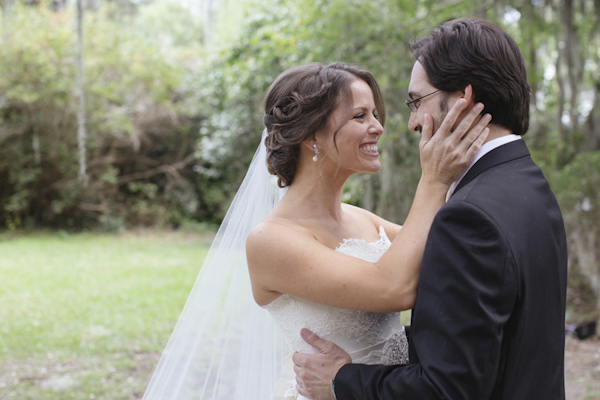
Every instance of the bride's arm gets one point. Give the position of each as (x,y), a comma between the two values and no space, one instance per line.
(290,260)
(438,152)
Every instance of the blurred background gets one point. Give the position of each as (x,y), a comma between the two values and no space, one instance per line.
(126,127)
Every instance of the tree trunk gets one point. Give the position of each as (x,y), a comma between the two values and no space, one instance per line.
(574,66)
(81,132)
(561,98)
(7,6)
(591,130)
(35,144)
(209,21)
(584,241)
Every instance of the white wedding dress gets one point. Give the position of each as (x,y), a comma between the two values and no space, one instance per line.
(368,337)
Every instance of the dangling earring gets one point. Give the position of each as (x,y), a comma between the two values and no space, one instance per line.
(316,150)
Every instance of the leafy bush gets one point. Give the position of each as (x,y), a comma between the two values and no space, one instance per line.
(140,136)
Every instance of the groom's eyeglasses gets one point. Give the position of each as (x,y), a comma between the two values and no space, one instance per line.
(414,104)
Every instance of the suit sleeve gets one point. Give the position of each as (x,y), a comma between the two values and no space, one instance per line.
(467,289)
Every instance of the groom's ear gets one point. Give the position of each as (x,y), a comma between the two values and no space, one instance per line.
(468,95)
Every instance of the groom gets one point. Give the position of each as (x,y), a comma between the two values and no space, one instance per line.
(488,321)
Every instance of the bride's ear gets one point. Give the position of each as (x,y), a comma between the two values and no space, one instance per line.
(310,142)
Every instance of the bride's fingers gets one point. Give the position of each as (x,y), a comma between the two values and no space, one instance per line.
(426,131)
(475,133)
(477,143)
(445,128)
(469,121)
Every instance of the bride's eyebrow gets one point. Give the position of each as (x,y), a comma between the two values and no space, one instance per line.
(364,110)
(364,106)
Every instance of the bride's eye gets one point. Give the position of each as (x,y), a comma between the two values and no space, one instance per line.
(359,116)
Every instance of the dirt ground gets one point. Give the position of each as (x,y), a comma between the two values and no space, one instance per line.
(28,381)
(582,369)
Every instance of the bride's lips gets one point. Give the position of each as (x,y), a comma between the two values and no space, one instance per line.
(369,149)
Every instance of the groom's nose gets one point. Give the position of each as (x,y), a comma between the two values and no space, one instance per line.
(413,123)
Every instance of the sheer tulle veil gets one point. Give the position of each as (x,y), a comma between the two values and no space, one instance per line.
(224,345)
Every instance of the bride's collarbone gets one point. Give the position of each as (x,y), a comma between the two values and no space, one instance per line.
(332,235)
(328,231)
(334,239)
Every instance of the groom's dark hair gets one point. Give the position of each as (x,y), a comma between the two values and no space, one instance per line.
(476,52)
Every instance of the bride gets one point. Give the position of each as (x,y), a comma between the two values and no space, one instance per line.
(313,261)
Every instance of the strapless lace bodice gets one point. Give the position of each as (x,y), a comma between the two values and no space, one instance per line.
(369,337)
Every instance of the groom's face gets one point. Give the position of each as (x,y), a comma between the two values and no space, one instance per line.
(436,105)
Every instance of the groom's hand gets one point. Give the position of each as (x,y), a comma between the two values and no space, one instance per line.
(314,372)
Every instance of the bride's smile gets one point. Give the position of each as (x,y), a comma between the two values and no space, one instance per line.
(370,149)
(353,148)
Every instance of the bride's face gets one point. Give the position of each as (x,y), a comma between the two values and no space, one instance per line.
(357,138)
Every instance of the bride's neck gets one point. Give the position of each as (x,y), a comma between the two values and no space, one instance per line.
(317,196)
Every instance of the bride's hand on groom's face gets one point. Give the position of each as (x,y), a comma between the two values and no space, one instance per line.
(314,372)
(446,154)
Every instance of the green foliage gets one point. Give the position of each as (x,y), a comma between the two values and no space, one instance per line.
(172,126)
(138,131)
(580,196)
(277,35)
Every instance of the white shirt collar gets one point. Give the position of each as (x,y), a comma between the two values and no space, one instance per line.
(486,148)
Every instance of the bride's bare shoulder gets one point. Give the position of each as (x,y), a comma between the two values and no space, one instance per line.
(275,230)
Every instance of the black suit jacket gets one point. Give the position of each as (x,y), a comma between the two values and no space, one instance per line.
(488,322)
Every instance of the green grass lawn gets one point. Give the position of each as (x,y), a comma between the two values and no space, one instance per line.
(87,316)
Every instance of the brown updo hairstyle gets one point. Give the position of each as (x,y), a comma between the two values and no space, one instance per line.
(299,103)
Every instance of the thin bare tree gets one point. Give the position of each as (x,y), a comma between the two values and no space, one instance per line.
(7,6)
(81,131)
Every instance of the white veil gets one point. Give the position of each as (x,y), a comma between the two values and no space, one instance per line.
(224,345)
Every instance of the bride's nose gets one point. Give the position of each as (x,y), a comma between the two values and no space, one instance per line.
(376,128)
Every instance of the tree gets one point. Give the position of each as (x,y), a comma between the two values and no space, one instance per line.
(559,40)
(81,133)
(141,134)
(6,9)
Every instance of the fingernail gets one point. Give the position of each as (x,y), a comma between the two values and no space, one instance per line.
(479,106)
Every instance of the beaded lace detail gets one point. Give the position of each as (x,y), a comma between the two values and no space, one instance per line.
(368,251)
(369,337)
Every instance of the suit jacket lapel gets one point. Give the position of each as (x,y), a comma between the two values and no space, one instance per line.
(508,152)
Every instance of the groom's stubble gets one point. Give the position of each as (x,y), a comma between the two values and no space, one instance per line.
(437,120)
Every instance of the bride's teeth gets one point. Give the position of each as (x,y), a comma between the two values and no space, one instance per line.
(371,148)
